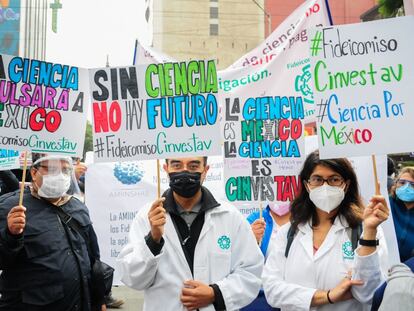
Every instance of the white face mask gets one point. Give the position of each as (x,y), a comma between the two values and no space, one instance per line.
(326,197)
(54,186)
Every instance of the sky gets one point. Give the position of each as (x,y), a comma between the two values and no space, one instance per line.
(89,30)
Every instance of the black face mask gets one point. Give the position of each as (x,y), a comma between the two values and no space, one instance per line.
(185,184)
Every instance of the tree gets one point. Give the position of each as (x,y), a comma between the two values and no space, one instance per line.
(88,144)
(391,8)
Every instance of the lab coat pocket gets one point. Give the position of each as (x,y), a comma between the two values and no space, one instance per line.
(220,265)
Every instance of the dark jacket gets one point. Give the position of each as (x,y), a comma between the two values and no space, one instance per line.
(403,219)
(8,182)
(47,267)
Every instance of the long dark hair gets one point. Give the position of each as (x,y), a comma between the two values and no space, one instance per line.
(303,209)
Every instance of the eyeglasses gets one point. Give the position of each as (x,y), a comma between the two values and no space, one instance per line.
(316,181)
(402,182)
(54,170)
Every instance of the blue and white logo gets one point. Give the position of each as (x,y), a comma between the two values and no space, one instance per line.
(128,173)
(347,251)
(224,242)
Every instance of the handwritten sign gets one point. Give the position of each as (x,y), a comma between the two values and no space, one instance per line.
(155,111)
(363,75)
(262,130)
(42,106)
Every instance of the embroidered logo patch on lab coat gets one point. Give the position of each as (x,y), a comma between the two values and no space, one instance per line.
(224,242)
(347,251)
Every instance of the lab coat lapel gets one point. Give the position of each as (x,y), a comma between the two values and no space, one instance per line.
(306,240)
(208,224)
(171,235)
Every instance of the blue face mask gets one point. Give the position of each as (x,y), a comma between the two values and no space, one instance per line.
(405,193)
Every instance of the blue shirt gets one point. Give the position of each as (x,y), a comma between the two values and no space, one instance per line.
(404,228)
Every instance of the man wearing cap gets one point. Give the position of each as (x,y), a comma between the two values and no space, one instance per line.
(46,264)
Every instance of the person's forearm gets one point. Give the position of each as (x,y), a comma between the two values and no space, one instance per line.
(368,234)
(10,247)
(320,298)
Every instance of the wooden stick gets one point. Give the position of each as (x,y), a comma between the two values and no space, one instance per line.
(374,165)
(23,179)
(158,179)
(261,210)
(260,217)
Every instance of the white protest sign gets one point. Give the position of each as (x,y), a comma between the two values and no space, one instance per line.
(155,111)
(287,46)
(290,34)
(262,130)
(147,55)
(365,174)
(9,159)
(42,106)
(115,192)
(363,75)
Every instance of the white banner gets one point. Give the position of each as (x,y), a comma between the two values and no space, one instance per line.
(155,111)
(145,55)
(363,75)
(42,106)
(287,46)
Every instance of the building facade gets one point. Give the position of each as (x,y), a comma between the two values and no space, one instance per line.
(202,29)
(342,11)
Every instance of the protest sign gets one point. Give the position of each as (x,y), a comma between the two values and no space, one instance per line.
(363,74)
(146,55)
(116,191)
(9,159)
(262,131)
(155,111)
(287,45)
(42,106)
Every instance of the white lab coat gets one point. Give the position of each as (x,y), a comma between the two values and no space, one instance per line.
(291,283)
(236,270)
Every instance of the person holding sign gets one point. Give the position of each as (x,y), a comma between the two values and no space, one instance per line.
(46,262)
(187,251)
(314,263)
(402,207)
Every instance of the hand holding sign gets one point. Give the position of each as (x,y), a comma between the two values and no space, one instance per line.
(16,220)
(258,228)
(156,216)
(375,213)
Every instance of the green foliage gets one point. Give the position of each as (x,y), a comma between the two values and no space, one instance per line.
(390,8)
(88,144)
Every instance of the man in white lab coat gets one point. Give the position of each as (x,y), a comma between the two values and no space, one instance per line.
(189,252)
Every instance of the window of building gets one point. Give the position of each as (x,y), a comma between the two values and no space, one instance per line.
(213,12)
(214,29)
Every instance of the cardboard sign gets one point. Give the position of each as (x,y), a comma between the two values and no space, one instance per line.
(363,75)
(42,106)
(155,111)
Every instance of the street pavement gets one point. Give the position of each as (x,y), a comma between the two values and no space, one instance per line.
(134,300)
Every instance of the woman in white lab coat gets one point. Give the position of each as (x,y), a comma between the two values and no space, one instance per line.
(320,269)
